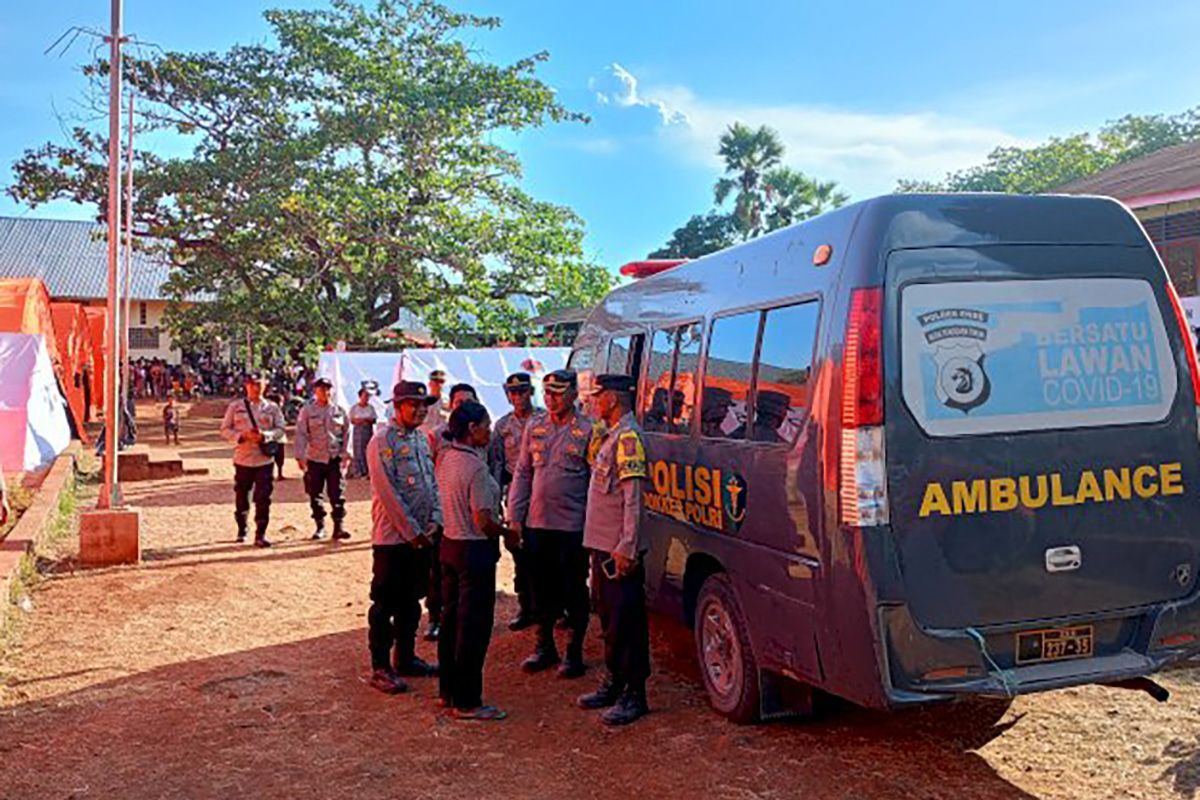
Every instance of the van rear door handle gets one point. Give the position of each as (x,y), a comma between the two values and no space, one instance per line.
(1063,559)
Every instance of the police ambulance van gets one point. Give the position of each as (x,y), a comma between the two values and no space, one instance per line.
(921,447)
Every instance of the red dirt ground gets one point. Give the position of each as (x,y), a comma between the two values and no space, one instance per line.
(216,670)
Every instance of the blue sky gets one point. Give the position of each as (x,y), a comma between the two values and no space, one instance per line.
(862,93)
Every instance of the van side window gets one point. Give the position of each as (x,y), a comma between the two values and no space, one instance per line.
(784,369)
(618,355)
(731,348)
(656,414)
(581,359)
(687,364)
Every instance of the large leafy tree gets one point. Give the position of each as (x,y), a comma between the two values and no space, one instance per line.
(699,236)
(1046,166)
(344,172)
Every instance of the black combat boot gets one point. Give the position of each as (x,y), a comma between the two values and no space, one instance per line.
(629,709)
(414,667)
(319,531)
(543,658)
(573,666)
(241,526)
(260,537)
(339,531)
(521,621)
(605,695)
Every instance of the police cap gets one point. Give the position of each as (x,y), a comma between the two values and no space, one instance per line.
(438,376)
(772,402)
(412,390)
(614,382)
(323,381)
(559,381)
(518,381)
(254,377)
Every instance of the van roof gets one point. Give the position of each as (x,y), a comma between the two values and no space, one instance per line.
(779,264)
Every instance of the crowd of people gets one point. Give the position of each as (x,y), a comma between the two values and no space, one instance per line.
(561,489)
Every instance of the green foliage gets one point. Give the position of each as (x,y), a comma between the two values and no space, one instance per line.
(766,196)
(700,235)
(338,175)
(1045,167)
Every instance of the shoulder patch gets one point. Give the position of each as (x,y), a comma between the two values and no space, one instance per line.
(631,456)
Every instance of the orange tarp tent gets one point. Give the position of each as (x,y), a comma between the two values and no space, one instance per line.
(97,317)
(25,308)
(73,336)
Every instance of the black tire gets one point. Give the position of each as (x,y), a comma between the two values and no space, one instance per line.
(729,669)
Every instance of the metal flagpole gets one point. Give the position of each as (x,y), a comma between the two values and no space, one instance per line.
(126,315)
(110,491)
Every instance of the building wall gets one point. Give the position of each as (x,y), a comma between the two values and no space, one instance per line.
(1174,228)
(148,337)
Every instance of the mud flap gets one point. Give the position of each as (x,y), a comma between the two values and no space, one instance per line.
(781,697)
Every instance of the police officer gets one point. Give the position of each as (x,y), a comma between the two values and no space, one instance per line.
(406,517)
(440,413)
(717,402)
(254,426)
(770,412)
(614,537)
(547,502)
(504,452)
(322,436)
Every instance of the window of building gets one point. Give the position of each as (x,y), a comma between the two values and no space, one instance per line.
(1181,267)
(784,369)
(731,348)
(143,338)
(142,314)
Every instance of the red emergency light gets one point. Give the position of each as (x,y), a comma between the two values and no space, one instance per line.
(653,266)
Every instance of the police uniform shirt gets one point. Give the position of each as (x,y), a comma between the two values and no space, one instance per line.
(615,493)
(505,449)
(322,433)
(466,486)
(404,491)
(270,423)
(550,484)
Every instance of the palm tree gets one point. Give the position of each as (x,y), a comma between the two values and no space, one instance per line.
(748,154)
(795,197)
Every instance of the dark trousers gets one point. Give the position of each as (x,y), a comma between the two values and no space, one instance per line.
(433,600)
(398,581)
(559,577)
(262,481)
(320,477)
(621,603)
(469,593)
(522,578)
(279,460)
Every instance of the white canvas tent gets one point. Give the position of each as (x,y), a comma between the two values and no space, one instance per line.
(485,369)
(33,413)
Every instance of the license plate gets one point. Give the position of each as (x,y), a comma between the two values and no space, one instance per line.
(1055,644)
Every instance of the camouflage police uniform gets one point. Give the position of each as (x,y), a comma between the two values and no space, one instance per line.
(614,527)
(406,513)
(548,498)
(322,439)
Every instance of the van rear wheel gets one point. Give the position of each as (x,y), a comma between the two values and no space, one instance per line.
(723,648)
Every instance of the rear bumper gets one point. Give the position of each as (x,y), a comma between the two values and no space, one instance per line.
(922,665)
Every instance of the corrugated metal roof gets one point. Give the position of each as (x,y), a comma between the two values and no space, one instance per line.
(1171,169)
(71,257)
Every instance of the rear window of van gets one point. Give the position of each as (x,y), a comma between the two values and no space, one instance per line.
(1007,356)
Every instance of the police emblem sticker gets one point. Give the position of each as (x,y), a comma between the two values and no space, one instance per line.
(958,336)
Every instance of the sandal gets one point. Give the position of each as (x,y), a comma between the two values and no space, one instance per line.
(482,714)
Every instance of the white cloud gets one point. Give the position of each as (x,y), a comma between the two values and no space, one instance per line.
(864,152)
(619,87)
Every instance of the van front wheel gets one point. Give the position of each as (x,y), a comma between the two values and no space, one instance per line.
(723,648)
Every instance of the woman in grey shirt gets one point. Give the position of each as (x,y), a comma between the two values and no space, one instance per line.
(469,552)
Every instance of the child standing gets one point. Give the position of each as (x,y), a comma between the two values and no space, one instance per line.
(171,421)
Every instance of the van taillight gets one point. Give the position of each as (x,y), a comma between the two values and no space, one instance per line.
(864,499)
(1185,331)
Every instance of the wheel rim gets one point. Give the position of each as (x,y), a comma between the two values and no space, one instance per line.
(721,649)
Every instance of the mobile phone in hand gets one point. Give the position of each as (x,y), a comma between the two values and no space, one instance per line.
(609,567)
